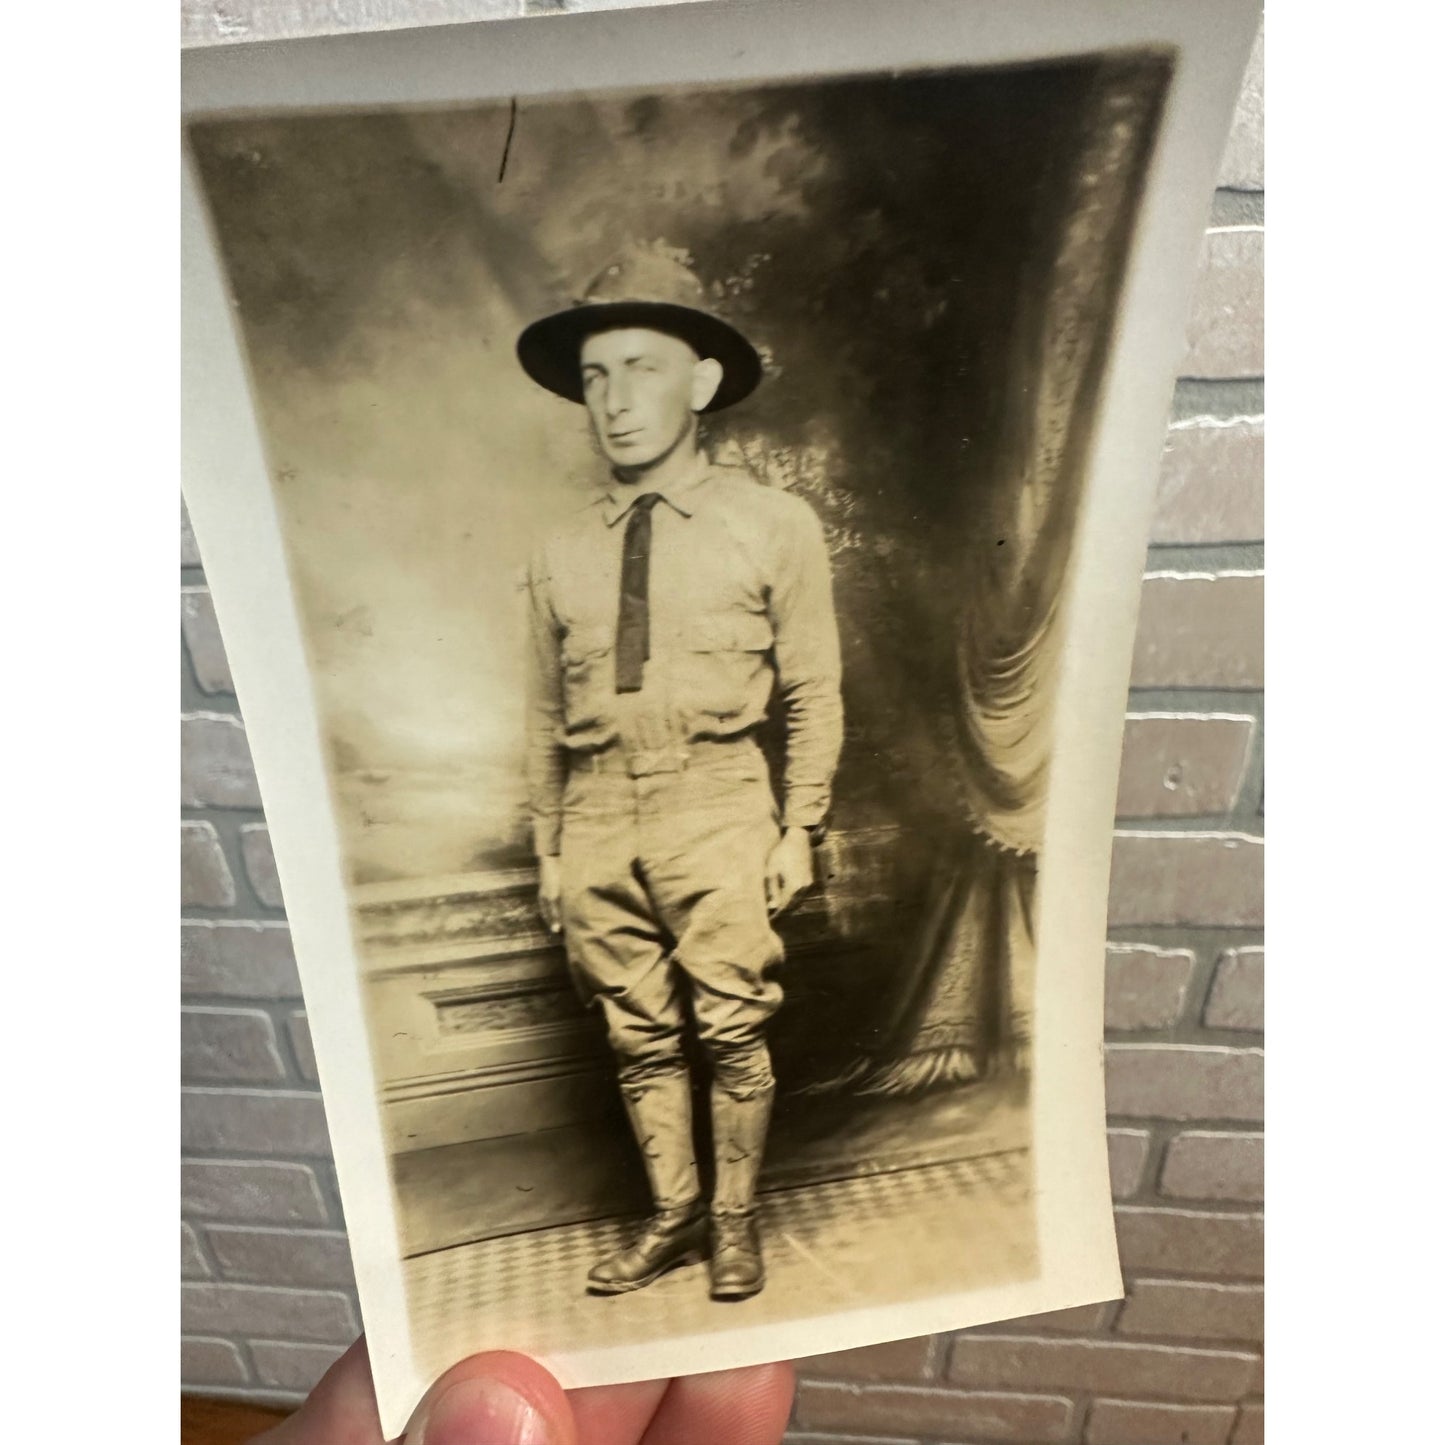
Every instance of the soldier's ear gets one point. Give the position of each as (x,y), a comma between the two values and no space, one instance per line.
(707,376)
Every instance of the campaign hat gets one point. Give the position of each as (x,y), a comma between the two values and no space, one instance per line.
(648,287)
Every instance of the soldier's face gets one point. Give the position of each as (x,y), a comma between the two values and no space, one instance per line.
(643,390)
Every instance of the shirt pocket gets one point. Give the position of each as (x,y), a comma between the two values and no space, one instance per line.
(726,658)
(587,676)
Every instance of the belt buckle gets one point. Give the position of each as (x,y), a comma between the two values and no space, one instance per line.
(647,761)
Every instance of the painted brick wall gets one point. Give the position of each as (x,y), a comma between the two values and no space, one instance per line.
(268,1298)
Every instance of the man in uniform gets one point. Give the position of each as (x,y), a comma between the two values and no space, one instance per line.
(665,617)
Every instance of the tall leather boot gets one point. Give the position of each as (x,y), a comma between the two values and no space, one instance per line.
(659,1109)
(740,1130)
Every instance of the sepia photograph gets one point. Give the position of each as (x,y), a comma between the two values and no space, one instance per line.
(679,492)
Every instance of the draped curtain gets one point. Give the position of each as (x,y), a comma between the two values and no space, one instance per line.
(966,996)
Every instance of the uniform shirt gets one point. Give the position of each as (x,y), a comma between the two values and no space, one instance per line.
(740,600)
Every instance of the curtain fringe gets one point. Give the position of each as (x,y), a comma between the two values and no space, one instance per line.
(981,832)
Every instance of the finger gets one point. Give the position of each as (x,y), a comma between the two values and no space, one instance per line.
(743,1407)
(499,1397)
(615,1414)
(788,893)
(341,1407)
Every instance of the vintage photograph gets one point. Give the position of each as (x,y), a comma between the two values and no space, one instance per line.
(679,490)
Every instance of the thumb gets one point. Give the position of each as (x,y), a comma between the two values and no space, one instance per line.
(498,1398)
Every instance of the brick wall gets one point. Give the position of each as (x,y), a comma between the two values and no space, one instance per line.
(268,1298)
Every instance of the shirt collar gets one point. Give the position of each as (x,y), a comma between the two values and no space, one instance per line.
(679,495)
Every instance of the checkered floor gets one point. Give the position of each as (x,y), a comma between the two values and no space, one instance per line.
(898,1236)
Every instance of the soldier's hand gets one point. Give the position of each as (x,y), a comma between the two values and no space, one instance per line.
(549,893)
(789,869)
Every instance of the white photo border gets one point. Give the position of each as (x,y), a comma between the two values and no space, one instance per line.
(228,491)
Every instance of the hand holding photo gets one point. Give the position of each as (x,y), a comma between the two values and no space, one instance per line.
(674,486)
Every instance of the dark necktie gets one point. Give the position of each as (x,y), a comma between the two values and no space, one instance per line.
(632,627)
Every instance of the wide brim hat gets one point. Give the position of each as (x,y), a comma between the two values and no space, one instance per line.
(651,288)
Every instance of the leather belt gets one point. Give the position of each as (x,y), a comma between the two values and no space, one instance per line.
(644,762)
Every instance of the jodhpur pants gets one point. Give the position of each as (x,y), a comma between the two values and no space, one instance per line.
(664,906)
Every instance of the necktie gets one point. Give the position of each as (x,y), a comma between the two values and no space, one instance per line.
(632,626)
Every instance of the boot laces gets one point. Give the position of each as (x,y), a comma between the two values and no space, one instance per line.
(733,1231)
(662,1226)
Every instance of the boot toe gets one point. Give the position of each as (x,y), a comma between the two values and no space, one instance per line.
(604,1276)
(736,1283)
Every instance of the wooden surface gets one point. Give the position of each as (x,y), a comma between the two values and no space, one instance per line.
(224,1422)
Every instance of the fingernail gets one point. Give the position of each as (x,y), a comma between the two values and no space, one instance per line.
(481,1412)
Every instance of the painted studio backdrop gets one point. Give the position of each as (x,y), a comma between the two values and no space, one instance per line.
(930,267)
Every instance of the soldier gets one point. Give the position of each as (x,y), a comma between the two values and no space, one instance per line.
(665,617)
